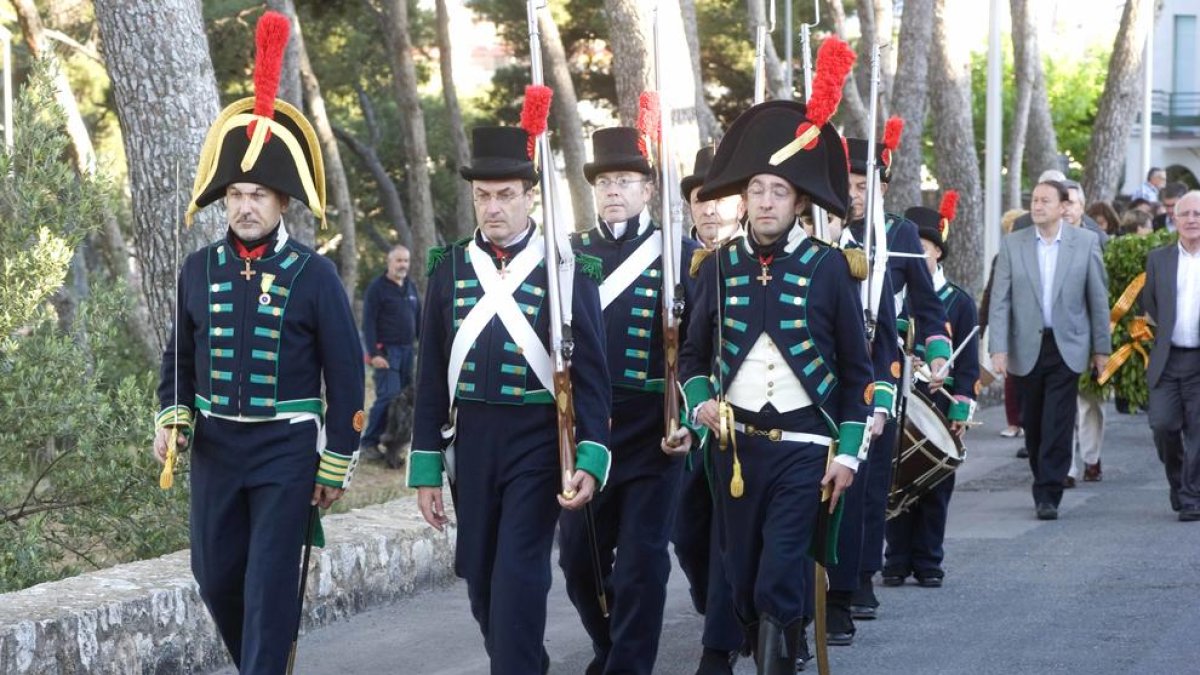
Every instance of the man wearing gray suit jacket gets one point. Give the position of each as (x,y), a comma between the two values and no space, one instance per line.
(1049,313)
(1171,297)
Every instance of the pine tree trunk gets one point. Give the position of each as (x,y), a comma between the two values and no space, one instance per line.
(166,97)
(1041,141)
(300,222)
(1118,104)
(464,211)
(1025,67)
(909,102)
(853,110)
(404,75)
(630,44)
(776,86)
(875,23)
(565,107)
(707,126)
(957,162)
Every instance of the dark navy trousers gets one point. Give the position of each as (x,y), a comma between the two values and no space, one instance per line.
(878,479)
(634,515)
(389,382)
(251,488)
(697,546)
(505,501)
(767,531)
(914,538)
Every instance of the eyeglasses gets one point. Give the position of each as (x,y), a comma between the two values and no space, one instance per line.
(622,182)
(503,198)
(1187,214)
(776,192)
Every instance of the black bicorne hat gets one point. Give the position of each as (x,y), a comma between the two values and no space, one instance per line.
(262,139)
(704,158)
(763,140)
(499,153)
(616,149)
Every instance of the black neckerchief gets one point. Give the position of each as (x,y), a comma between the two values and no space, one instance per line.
(768,251)
(253,244)
(506,253)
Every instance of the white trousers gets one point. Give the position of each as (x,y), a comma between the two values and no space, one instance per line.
(1089,433)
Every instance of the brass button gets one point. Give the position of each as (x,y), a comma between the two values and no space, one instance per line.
(770,366)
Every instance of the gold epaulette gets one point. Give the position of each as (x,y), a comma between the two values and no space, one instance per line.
(857,259)
(698,257)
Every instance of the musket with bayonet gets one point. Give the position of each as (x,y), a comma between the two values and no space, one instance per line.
(560,274)
(672,241)
(762,33)
(874,223)
(820,218)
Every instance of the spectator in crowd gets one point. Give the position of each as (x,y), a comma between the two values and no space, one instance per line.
(1106,217)
(1074,214)
(1048,314)
(391,322)
(1012,403)
(1149,208)
(1156,178)
(1136,222)
(1171,195)
(1171,298)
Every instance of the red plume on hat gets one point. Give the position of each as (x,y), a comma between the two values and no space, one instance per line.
(270,40)
(891,140)
(835,58)
(534,113)
(948,209)
(649,121)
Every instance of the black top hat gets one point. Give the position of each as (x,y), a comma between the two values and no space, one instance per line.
(767,132)
(616,149)
(857,148)
(704,158)
(499,153)
(261,139)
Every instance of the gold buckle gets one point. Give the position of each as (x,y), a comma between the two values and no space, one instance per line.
(771,434)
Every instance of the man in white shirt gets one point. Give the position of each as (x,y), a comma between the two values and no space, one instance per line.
(1171,298)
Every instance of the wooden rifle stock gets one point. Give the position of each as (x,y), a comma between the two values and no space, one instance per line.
(564,403)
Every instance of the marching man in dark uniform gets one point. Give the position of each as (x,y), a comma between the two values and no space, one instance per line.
(635,513)
(714,222)
(851,598)
(262,321)
(780,308)
(484,388)
(914,538)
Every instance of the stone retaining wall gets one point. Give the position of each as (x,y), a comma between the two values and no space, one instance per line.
(147,617)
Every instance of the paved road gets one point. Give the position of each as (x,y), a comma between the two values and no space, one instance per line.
(1111,587)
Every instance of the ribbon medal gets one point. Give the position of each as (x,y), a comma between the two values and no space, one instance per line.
(265,287)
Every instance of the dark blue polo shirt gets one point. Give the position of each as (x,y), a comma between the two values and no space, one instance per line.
(391,314)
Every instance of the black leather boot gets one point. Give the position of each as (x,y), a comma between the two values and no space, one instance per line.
(715,662)
(803,656)
(864,603)
(772,654)
(839,625)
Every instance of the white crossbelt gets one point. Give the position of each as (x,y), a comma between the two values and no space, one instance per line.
(497,301)
(778,435)
(632,267)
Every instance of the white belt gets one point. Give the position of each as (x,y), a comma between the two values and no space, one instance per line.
(780,435)
(291,417)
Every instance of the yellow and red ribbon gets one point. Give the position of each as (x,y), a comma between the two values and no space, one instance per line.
(1139,331)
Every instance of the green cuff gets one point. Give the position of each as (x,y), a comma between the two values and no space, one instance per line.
(696,390)
(174,415)
(902,327)
(336,470)
(852,438)
(885,397)
(595,459)
(424,468)
(960,411)
(937,347)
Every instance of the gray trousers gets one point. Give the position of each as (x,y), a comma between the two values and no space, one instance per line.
(1175,420)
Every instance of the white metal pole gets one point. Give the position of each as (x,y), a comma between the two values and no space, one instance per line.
(995,116)
(1148,92)
(787,50)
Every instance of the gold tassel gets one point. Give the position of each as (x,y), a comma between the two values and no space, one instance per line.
(736,487)
(726,438)
(167,478)
(857,259)
(698,258)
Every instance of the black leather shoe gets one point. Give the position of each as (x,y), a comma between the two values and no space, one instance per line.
(839,625)
(1022,453)
(1189,515)
(932,579)
(894,576)
(1047,512)
(863,603)
(803,656)
(715,662)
